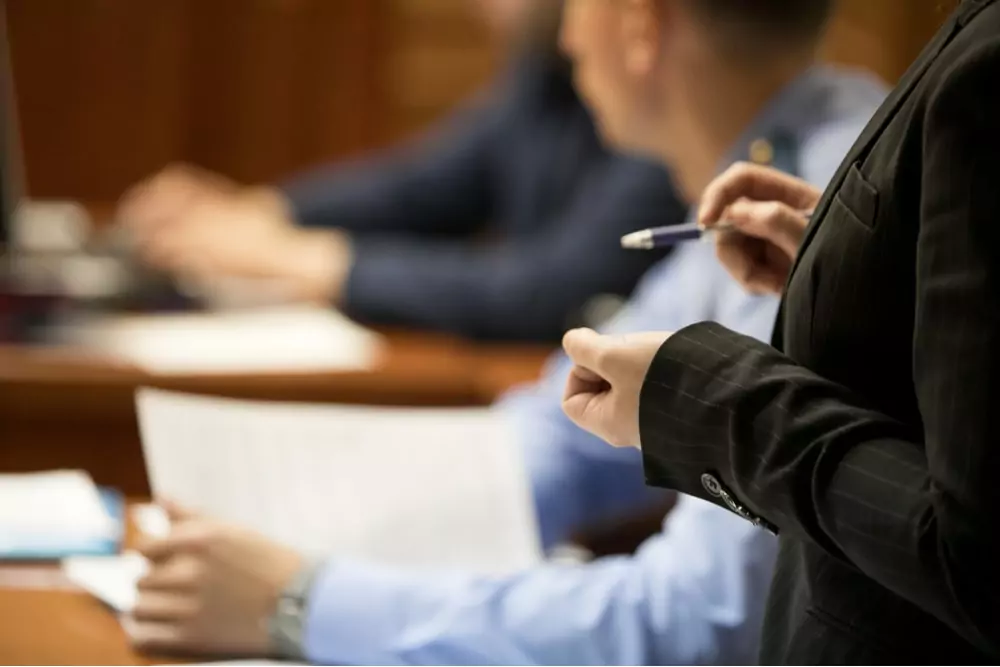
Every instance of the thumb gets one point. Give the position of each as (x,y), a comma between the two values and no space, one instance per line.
(177,512)
(771,221)
(586,348)
(182,538)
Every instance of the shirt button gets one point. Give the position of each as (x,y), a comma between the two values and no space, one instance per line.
(712,485)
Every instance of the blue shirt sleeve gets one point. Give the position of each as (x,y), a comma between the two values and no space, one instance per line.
(692,595)
(575,477)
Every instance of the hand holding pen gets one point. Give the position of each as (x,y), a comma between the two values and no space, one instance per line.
(756,216)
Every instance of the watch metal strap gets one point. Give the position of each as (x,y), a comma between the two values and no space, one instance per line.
(286,626)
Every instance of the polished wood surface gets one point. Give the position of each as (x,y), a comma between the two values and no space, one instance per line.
(45,620)
(60,627)
(63,408)
(66,408)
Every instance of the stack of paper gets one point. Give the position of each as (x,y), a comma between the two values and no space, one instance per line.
(112,579)
(402,486)
(53,514)
(281,339)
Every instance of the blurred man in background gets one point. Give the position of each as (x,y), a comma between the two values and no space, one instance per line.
(738,78)
(398,240)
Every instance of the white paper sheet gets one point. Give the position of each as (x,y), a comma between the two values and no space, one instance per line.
(111,579)
(280,339)
(151,520)
(403,486)
(51,508)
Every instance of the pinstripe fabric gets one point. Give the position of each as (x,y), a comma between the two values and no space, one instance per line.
(873,441)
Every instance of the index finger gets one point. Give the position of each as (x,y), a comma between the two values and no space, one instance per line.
(183,537)
(751,181)
(585,348)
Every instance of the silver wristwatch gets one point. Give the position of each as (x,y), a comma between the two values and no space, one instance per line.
(286,626)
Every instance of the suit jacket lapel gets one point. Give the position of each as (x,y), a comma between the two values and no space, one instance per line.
(958,20)
(877,124)
(871,132)
(874,129)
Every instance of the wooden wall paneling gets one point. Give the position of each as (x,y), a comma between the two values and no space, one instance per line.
(100,88)
(110,90)
(437,53)
(280,84)
(883,35)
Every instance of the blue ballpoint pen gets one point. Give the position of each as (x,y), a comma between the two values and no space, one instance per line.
(664,237)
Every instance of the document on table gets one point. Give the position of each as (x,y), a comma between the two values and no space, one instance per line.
(417,487)
(287,338)
(113,579)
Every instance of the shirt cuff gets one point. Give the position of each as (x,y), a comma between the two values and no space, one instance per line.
(350,614)
(388,284)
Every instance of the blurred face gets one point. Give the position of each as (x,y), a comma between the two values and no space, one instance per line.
(616,49)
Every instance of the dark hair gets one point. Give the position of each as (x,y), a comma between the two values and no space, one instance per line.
(775,22)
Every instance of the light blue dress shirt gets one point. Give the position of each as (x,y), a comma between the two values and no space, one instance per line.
(694,593)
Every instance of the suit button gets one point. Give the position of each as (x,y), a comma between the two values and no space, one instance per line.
(712,485)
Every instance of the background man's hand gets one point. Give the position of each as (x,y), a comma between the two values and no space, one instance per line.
(768,211)
(602,394)
(162,199)
(210,589)
(203,227)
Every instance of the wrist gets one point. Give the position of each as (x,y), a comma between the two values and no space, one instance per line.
(287,623)
(318,263)
(272,201)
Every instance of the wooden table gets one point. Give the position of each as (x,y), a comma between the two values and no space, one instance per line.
(44,620)
(60,627)
(64,408)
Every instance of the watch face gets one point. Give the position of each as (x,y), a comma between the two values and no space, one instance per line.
(286,626)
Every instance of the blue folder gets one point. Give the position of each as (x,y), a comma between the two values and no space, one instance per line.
(115,505)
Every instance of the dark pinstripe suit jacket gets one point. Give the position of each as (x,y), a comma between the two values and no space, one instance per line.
(872,443)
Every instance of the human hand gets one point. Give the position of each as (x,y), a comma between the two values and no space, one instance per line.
(210,589)
(602,394)
(205,228)
(163,199)
(768,213)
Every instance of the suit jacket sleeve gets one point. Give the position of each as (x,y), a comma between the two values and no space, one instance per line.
(528,288)
(442,184)
(915,511)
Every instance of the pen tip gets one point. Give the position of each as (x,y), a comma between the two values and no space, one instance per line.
(641,240)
